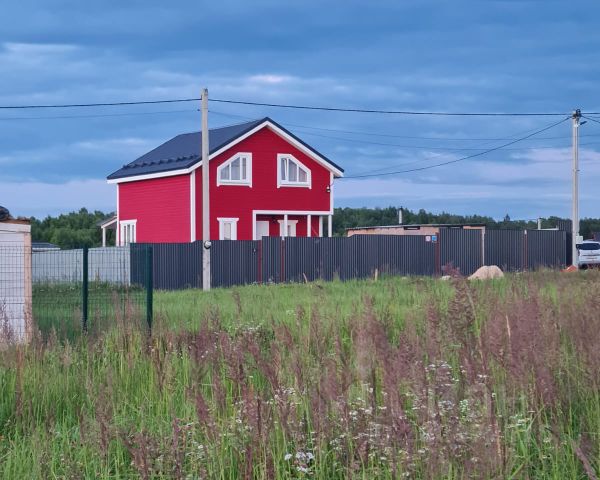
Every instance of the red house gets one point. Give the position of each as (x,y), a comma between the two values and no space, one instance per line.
(264,181)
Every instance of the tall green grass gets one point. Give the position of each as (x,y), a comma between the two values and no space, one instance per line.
(395,378)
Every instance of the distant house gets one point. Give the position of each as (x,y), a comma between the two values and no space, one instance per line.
(264,181)
(402,229)
(43,247)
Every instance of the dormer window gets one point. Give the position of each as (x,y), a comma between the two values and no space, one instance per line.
(292,173)
(236,171)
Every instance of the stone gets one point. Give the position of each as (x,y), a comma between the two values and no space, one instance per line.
(487,272)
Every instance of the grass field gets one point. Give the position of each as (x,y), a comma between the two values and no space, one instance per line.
(395,378)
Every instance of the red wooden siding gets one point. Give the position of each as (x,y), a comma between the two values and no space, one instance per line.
(229,201)
(161,207)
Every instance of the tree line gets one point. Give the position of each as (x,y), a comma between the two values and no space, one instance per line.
(345,218)
(72,230)
(78,229)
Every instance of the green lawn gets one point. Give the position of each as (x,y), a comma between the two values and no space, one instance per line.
(395,378)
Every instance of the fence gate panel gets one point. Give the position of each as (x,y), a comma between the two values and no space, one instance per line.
(546,248)
(271,263)
(505,249)
(234,262)
(175,265)
(406,255)
(462,248)
(303,258)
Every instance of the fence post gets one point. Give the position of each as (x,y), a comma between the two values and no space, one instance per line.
(149,286)
(84,290)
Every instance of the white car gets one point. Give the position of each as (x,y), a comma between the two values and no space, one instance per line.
(589,253)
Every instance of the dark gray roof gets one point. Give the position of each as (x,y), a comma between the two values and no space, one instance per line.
(44,246)
(183,151)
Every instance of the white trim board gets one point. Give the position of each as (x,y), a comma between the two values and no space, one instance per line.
(264,124)
(192,207)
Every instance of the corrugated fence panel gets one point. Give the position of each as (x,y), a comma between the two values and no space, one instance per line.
(271,253)
(461,248)
(333,258)
(302,257)
(406,255)
(505,249)
(356,257)
(234,262)
(176,265)
(108,264)
(56,266)
(360,257)
(546,248)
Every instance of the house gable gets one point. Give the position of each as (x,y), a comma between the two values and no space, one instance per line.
(266,195)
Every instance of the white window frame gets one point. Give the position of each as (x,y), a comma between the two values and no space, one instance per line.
(127,232)
(247,182)
(223,222)
(285,183)
(292,225)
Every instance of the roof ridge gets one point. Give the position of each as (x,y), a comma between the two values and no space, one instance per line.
(229,125)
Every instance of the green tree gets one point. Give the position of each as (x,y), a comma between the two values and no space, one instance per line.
(71,230)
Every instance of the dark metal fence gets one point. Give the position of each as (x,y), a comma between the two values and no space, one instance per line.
(545,248)
(296,259)
(179,265)
(89,290)
(461,248)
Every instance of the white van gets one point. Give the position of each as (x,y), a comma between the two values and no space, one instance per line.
(589,253)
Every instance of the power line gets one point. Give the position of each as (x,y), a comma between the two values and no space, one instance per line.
(420,147)
(389,135)
(107,104)
(462,158)
(54,117)
(292,106)
(392,112)
(423,147)
(590,118)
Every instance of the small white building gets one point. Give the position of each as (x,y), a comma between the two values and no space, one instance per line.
(16,319)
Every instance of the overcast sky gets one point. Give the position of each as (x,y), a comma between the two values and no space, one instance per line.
(510,56)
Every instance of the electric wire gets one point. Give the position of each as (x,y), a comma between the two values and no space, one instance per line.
(390,112)
(101,115)
(290,106)
(356,132)
(456,160)
(105,104)
(590,118)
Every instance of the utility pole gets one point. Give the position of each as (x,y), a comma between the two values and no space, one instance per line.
(575,206)
(205,196)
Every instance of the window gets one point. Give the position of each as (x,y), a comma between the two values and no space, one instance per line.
(127,233)
(291,228)
(236,171)
(291,173)
(228,228)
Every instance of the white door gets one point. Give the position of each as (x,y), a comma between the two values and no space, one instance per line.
(262,229)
